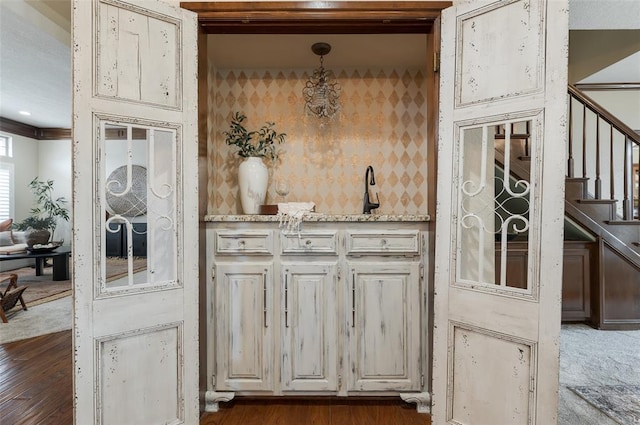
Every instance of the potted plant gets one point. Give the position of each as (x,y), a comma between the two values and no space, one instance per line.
(253,146)
(42,222)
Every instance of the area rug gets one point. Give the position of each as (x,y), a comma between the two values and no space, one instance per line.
(119,267)
(49,302)
(43,288)
(38,320)
(620,402)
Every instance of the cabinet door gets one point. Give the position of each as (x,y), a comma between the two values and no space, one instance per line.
(309,333)
(384,329)
(244,341)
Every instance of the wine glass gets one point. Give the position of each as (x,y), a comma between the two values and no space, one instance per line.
(282,188)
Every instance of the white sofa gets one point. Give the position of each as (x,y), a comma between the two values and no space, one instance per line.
(17,239)
(12,242)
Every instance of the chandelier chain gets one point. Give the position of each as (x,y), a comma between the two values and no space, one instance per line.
(321,94)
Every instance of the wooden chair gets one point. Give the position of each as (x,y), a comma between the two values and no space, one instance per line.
(10,296)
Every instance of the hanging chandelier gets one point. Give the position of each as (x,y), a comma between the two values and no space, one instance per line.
(321,94)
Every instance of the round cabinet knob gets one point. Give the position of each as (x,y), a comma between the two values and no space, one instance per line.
(384,242)
(308,242)
(241,244)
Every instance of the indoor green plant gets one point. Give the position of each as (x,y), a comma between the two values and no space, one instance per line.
(46,213)
(256,143)
(253,145)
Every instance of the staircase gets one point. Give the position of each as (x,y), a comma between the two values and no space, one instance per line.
(601,198)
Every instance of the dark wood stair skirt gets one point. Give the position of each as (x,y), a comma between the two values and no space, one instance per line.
(605,297)
(616,294)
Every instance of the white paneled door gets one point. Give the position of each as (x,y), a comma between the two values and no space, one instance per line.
(496,339)
(135,245)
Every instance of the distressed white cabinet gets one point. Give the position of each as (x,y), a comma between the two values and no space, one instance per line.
(337,309)
(384,332)
(244,338)
(309,331)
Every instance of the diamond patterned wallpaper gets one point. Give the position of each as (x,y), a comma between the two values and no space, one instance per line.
(382,123)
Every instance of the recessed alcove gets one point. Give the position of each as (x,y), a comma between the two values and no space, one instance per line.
(256,59)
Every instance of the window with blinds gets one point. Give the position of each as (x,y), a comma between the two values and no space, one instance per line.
(6,190)
(6,178)
(5,146)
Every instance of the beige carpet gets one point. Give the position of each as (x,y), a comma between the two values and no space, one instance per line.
(39,320)
(593,358)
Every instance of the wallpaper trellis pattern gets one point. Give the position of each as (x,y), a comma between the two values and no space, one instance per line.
(382,122)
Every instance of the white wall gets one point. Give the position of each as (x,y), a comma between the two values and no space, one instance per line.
(46,159)
(54,163)
(624,104)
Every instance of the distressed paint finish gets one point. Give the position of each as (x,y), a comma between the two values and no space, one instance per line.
(244,309)
(492,378)
(515,46)
(137,55)
(121,339)
(395,242)
(249,242)
(477,328)
(155,355)
(384,335)
(309,334)
(325,242)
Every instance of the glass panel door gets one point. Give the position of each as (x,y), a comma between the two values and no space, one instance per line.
(139,190)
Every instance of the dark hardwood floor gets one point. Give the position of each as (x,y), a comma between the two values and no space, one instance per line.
(36,388)
(36,385)
(316,412)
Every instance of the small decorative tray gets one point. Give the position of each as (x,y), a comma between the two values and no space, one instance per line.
(39,249)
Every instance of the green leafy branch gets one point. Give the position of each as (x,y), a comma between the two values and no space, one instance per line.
(258,143)
(47,211)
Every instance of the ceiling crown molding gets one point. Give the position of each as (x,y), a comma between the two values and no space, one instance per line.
(25,130)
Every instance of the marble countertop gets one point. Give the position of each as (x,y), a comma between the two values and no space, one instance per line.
(317,217)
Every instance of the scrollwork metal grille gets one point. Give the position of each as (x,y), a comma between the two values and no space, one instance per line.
(143,187)
(493,206)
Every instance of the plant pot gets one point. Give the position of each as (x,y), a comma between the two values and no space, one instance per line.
(253,178)
(36,236)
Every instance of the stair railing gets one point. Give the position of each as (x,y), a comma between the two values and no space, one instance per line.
(603,147)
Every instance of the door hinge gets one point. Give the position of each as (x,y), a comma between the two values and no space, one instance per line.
(436,61)
(213,272)
(421,381)
(339,272)
(339,381)
(213,380)
(421,270)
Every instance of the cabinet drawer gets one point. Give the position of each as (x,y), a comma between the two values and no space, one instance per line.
(310,243)
(245,242)
(406,242)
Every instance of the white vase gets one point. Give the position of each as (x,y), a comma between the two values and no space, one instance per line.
(253,177)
